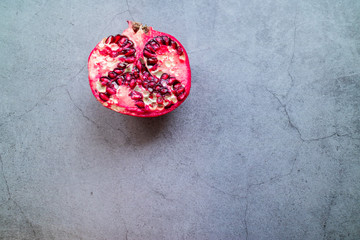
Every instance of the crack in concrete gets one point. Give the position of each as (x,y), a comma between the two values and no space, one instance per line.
(81,111)
(162,195)
(127,3)
(127,140)
(33,107)
(293,54)
(10,198)
(327,215)
(292,124)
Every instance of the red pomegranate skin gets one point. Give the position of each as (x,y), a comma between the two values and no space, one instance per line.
(141,72)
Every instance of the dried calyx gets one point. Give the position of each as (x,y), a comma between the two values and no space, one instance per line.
(141,72)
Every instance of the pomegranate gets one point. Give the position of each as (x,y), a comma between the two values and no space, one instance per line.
(141,72)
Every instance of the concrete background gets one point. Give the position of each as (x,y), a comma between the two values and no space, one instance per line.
(265,147)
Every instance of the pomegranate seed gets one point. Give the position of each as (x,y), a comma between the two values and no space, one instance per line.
(181,97)
(154,67)
(128,77)
(104,81)
(150,48)
(164,90)
(159,40)
(164,76)
(169,105)
(118,71)
(136,73)
(145,84)
(117,38)
(171,80)
(180,90)
(132,83)
(130,59)
(152,84)
(110,39)
(146,75)
(136,96)
(155,46)
(152,61)
(176,86)
(112,75)
(159,100)
(180,50)
(140,104)
(129,44)
(110,91)
(130,52)
(149,54)
(103,97)
(120,80)
(121,65)
(138,81)
(174,44)
(123,41)
(139,64)
(166,40)
(157,88)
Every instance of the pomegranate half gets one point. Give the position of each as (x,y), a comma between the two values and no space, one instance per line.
(141,72)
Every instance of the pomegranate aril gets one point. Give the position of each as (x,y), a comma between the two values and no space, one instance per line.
(130,52)
(120,79)
(111,91)
(110,39)
(140,104)
(171,80)
(166,40)
(155,46)
(178,85)
(159,100)
(164,90)
(128,77)
(117,38)
(104,81)
(136,73)
(129,44)
(148,54)
(159,40)
(118,71)
(138,81)
(123,41)
(157,88)
(164,76)
(150,48)
(181,97)
(153,68)
(146,75)
(103,97)
(180,50)
(112,75)
(122,65)
(152,84)
(136,96)
(130,59)
(152,61)
(174,45)
(132,83)
(179,91)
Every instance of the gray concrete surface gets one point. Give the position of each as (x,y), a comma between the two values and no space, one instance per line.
(265,147)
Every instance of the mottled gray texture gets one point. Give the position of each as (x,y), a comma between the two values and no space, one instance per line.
(265,147)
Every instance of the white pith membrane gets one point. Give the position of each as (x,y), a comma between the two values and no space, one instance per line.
(168,61)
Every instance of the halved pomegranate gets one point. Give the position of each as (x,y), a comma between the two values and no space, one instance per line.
(141,72)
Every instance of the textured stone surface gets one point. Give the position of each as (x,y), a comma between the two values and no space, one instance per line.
(265,147)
